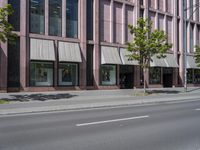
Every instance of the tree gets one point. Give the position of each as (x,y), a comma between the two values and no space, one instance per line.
(146,44)
(197,55)
(5,27)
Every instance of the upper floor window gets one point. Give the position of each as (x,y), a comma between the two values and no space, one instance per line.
(55,17)
(15,18)
(72,18)
(37,16)
(90,19)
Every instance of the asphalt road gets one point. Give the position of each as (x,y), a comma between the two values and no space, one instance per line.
(158,127)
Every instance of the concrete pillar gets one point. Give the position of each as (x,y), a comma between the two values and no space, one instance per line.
(111,21)
(123,23)
(97,50)
(46,17)
(63,18)
(83,42)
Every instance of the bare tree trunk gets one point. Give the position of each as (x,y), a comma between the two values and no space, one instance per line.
(144,79)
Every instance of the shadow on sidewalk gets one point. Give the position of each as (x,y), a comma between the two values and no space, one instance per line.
(163,91)
(39,97)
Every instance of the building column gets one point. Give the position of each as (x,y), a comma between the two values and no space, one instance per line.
(83,42)
(63,18)
(97,50)
(111,21)
(46,17)
(3,60)
(124,23)
(24,45)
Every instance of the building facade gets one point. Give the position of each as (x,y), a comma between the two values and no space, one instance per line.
(81,44)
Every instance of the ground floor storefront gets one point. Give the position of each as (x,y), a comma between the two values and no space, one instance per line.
(48,65)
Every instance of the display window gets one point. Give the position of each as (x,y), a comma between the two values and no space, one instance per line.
(108,75)
(197,76)
(190,76)
(155,75)
(68,74)
(41,74)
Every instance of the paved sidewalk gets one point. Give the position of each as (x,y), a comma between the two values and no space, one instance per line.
(72,100)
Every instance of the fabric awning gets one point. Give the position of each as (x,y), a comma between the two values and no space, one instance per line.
(42,50)
(170,60)
(69,52)
(125,59)
(158,62)
(191,64)
(110,55)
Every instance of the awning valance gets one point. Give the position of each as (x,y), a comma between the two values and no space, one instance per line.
(191,64)
(125,59)
(69,52)
(110,55)
(42,50)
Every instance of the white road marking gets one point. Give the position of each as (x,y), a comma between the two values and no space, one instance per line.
(198,109)
(109,121)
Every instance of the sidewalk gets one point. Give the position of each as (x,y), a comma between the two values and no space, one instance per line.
(72,100)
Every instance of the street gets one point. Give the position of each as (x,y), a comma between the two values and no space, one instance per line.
(174,126)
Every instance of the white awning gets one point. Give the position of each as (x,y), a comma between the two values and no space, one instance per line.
(170,60)
(110,55)
(158,62)
(42,50)
(125,58)
(69,52)
(191,64)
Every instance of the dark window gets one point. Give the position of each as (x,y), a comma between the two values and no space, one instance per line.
(55,17)
(155,75)
(197,76)
(90,19)
(37,16)
(90,65)
(190,76)
(41,73)
(13,63)
(15,18)
(72,18)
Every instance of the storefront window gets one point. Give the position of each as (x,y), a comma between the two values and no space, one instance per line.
(108,75)
(55,17)
(197,76)
(37,16)
(68,74)
(155,75)
(41,74)
(190,76)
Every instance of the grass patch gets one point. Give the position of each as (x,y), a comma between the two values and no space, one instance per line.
(3,101)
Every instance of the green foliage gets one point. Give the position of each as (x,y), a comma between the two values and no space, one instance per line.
(197,55)
(5,27)
(147,43)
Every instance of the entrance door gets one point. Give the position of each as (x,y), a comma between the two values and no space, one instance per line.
(126,77)
(167,77)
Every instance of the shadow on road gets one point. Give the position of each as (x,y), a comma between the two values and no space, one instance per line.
(39,97)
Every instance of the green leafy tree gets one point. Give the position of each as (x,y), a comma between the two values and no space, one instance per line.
(197,55)
(146,44)
(5,27)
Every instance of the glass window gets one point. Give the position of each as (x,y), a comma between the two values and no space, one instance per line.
(37,16)
(155,75)
(90,65)
(72,18)
(90,19)
(55,17)
(108,75)
(197,76)
(15,18)
(190,76)
(68,74)
(41,74)
(14,63)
